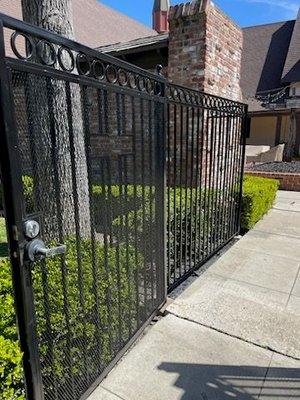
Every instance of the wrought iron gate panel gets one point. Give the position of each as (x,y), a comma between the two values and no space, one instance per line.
(89,167)
(205,159)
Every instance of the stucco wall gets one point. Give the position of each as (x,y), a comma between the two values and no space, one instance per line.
(263,131)
(285,128)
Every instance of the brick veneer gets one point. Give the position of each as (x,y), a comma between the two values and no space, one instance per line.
(288,181)
(205,49)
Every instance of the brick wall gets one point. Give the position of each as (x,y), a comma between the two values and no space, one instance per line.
(205,49)
(288,181)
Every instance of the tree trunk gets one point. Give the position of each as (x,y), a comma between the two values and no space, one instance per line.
(57,194)
(290,146)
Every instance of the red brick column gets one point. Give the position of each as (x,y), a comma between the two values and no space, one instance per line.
(205,49)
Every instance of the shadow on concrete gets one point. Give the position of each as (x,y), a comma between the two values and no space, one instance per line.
(220,382)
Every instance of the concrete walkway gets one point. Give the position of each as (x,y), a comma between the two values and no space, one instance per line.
(231,333)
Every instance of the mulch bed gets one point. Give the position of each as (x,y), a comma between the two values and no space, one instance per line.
(285,167)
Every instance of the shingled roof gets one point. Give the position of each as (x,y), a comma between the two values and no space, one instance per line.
(291,71)
(94,23)
(264,54)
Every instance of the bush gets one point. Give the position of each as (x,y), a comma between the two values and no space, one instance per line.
(27,191)
(84,305)
(258,198)
(11,373)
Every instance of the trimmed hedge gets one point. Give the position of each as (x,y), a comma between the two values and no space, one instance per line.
(28,193)
(67,326)
(258,198)
(11,373)
(130,213)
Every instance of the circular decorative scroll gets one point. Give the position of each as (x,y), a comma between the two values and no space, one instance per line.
(83,64)
(111,73)
(29,45)
(68,59)
(141,83)
(62,55)
(122,77)
(132,81)
(196,98)
(98,69)
(48,57)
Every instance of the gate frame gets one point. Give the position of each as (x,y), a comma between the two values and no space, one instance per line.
(10,167)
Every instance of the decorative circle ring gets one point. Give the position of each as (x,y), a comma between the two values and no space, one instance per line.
(83,64)
(51,60)
(132,81)
(98,69)
(122,77)
(61,62)
(149,86)
(30,45)
(111,74)
(141,83)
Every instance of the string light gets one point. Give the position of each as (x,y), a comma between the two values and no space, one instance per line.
(267,98)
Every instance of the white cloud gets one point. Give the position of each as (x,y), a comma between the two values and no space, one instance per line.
(291,6)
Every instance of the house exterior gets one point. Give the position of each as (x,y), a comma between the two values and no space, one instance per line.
(268,74)
(200,47)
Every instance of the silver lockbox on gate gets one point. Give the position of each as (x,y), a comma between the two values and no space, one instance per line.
(31,229)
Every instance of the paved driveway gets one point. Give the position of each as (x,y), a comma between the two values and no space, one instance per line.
(231,333)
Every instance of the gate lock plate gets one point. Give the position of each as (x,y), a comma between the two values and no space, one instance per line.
(37,250)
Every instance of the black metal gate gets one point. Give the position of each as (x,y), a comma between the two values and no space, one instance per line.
(89,200)
(205,159)
(82,158)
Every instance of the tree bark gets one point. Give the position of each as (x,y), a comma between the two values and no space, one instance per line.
(290,146)
(57,195)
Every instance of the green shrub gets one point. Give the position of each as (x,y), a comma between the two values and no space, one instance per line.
(11,374)
(258,197)
(70,306)
(87,307)
(27,191)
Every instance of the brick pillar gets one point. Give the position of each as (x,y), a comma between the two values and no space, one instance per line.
(205,49)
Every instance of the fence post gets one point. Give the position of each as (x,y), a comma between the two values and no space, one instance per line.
(245,127)
(160,122)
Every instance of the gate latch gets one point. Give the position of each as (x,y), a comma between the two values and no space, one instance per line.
(37,250)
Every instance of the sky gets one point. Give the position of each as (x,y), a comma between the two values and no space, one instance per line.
(244,12)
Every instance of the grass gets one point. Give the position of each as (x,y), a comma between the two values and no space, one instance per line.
(3,239)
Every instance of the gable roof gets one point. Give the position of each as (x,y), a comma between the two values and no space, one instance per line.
(94,23)
(138,45)
(291,71)
(264,55)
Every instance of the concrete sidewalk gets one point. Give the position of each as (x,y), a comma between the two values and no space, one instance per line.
(233,332)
